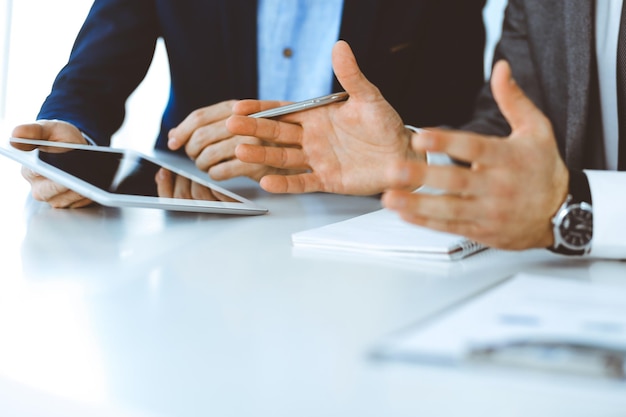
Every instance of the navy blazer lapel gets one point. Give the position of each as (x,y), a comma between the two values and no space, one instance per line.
(240,35)
(579,48)
(358,14)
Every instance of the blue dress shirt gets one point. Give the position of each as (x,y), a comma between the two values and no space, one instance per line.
(295,39)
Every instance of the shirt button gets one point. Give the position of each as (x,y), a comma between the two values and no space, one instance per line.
(287,52)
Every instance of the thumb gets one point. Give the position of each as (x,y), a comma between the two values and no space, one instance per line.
(518,110)
(349,74)
(51,130)
(29,131)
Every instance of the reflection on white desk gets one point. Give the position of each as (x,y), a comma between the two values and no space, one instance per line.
(180,315)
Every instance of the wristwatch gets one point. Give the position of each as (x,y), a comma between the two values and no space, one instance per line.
(572,225)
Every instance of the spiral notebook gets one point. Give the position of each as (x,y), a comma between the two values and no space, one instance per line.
(384,233)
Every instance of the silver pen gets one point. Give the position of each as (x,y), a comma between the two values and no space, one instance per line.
(302,105)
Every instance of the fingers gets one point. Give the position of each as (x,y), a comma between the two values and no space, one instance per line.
(235,168)
(456,227)
(226,170)
(29,175)
(70,200)
(460,145)
(519,111)
(206,138)
(265,129)
(56,195)
(349,74)
(291,184)
(247,107)
(449,214)
(165,183)
(182,134)
(440,207)
(450,178)
(43,189)
(277,157)
(221,152)
(171,185)
(220,162)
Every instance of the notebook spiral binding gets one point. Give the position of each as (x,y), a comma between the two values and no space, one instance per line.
(467,247)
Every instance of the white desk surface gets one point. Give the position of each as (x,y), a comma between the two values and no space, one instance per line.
(137,312)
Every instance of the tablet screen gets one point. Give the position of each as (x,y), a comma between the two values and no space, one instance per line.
(126,173)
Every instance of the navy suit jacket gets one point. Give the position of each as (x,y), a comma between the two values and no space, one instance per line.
(426,56)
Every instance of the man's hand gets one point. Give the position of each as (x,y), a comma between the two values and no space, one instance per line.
(513,188)
(345,147)
(172,185)
(212,147)
(43,189)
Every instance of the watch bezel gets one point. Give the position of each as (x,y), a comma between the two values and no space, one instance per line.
(567,209)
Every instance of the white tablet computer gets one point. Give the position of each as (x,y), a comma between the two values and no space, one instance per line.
(126,178)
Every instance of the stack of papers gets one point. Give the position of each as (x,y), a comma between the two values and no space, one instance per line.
(534,322)
(384,233)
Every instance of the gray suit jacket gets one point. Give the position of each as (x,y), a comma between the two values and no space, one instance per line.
(550,46)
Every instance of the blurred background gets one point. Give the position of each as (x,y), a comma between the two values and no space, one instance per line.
(36,37)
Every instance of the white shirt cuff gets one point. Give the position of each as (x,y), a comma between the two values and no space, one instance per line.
(88,139)
(609,208)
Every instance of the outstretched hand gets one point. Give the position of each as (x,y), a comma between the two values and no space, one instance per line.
(513,188)
(344,147)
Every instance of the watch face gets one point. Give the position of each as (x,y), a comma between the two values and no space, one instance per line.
(576,229)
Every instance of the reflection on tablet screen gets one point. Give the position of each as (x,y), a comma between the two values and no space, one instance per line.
(128,173)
